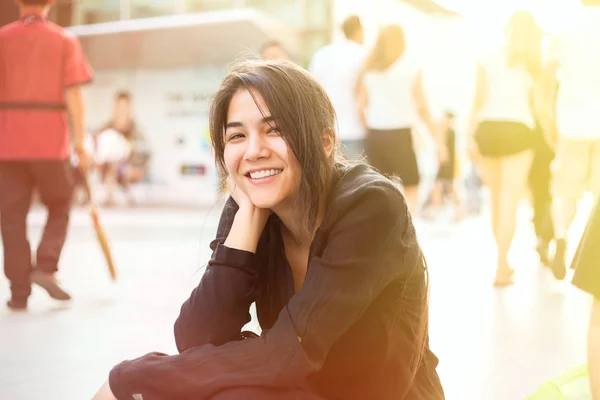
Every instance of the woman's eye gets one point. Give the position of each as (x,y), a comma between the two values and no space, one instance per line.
(234,136)
(274,131)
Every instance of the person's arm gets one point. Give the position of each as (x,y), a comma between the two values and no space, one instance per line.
(369,247)
(422,106)
(77,72)
(362,100)
(543,100)
(594,349)
(479,99)
(75,107)
(425,115)
(219,307)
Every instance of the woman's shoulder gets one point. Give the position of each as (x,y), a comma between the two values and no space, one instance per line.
(361,190)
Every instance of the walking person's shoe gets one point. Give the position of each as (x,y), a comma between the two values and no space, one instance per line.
(559,268)
(542,249)
(17,304)
(48,282)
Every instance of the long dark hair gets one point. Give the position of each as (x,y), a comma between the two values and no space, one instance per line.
(524,42)
(302,112)
(389,47)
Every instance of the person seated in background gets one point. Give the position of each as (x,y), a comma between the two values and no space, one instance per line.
(325,248)
(587,277)
(128,167)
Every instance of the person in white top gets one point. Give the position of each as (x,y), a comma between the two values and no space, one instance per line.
(501,128)
(336,67)
(390,96)
(577,163)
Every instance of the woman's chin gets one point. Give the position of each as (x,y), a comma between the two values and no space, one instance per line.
(264,201)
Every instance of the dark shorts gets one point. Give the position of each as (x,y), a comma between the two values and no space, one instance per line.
(503,138)
(446,169)
(391,152)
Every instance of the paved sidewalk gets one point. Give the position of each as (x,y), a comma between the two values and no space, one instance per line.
(493,344)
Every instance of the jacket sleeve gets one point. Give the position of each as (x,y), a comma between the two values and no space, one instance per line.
(219,306)
(369,247)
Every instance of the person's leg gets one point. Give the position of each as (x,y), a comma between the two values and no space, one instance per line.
(458,201)
(54,181)
(131,174)
(571,171)
(491,174)
(513,184)
(432,205)
(539,184)
(264,393)
(594,183)
(593,353)
(472,184)
(111,182)
(16,190)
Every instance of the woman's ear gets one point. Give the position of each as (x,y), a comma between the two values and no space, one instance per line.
(328,140)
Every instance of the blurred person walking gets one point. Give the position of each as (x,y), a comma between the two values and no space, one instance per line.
(577,166)
(42,68)
(390,96)
(541,195)
(540,174)
(445,184)
(337,67)
(501,138)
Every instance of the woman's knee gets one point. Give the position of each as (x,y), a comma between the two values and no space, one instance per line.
(264,393)
(241,393)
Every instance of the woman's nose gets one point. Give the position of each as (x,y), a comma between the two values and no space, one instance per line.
(256,148)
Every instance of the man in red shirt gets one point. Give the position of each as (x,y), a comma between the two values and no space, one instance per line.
(42,68)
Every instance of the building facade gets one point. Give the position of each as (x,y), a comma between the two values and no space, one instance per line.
(311,19)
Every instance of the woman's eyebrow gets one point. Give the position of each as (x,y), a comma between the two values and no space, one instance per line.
(236,124)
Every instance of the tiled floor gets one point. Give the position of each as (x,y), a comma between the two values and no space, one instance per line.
(493,344)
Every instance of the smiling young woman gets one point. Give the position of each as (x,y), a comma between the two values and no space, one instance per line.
(327,251)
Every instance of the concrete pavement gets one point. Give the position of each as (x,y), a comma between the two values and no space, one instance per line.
(493,344)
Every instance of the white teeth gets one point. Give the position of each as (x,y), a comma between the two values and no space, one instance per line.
(264,173)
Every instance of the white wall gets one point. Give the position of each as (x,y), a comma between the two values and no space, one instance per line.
(170,106)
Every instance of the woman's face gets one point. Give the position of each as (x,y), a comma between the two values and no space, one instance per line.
(256,155)
(122,109)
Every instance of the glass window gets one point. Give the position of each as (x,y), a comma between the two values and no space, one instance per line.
(96,11)
(285,11)
(61,13)
(151,8)
(319,14)
(194,6)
